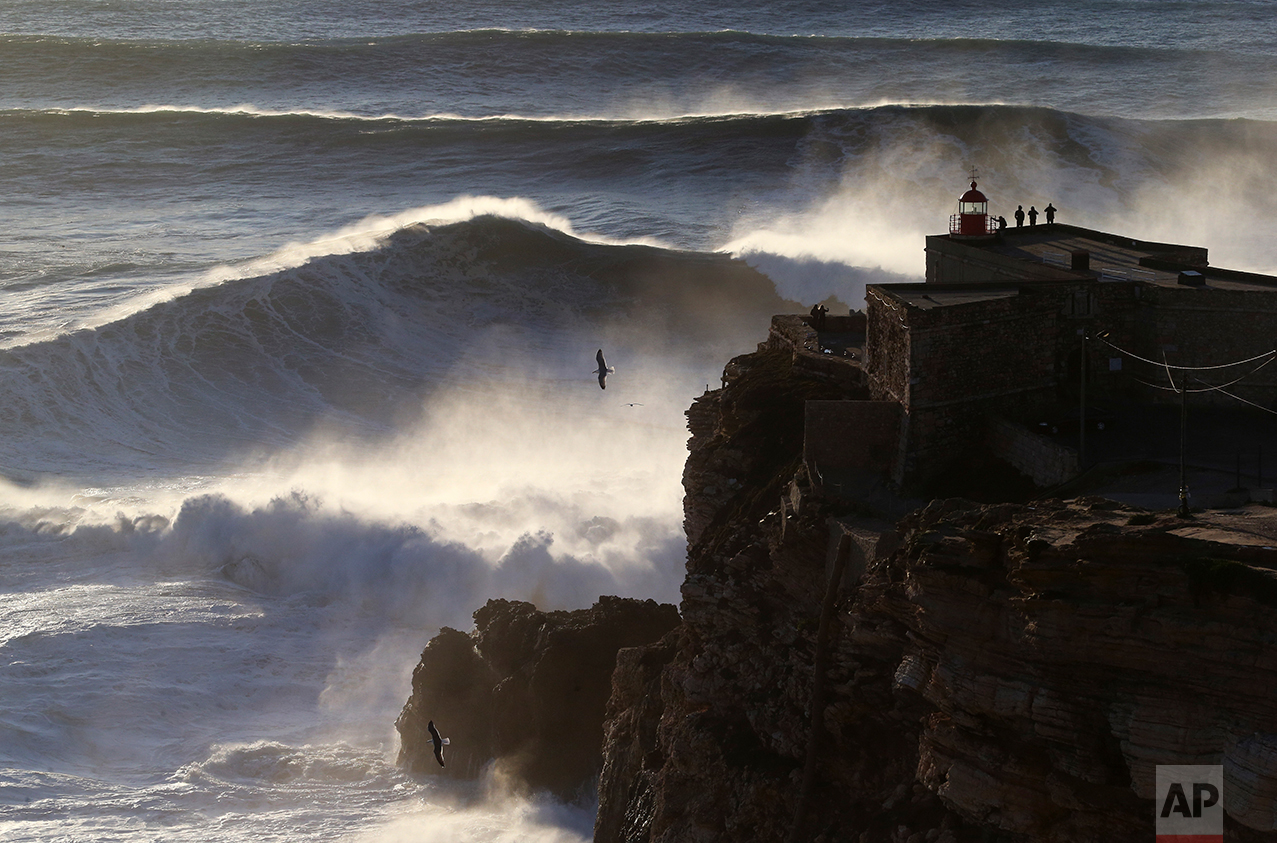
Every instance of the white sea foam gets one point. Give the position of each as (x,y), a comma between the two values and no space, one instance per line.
(255,654)
(508,819)
(867,222)
(263,629)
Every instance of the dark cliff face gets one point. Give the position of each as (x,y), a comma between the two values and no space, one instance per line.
(526,688)
(999,672)
(712,745)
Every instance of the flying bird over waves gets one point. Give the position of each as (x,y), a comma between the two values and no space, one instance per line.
(603,370)
(439,742)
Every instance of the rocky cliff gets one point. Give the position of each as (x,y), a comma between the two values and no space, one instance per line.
(526,689)
(975,672)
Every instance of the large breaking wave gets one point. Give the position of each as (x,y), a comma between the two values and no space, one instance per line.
(357,341)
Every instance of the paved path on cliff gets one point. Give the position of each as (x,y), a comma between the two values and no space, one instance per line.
(1225,449)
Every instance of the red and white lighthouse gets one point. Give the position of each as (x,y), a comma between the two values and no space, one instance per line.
(972,219)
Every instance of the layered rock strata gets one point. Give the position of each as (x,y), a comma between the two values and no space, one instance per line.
(997,672)
(526,689)
(1058,653)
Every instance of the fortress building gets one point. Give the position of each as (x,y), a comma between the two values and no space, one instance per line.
(1020,327)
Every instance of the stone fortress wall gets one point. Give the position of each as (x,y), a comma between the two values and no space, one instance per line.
(1002,329)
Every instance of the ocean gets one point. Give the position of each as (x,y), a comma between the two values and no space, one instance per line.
(299,304)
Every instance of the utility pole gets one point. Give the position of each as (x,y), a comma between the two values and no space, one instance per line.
(1081,416)
(1183,433)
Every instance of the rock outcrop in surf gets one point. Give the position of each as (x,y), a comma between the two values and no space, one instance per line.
(526,689)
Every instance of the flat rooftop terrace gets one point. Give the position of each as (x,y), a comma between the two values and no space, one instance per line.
(1112,261)
(1112,258)
(932,296)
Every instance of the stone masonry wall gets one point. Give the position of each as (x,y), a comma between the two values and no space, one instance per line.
(1047,463)
(1208,326)
(955,373)
(851,434)
(886,348)
(966,353)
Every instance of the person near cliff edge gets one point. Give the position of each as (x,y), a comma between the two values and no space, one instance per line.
(818,312)
(1019,215)
(1049,210)
(1033,215)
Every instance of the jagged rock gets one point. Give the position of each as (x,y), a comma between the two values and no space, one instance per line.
(527,688)
(452,684)
(725,759)
(633,714)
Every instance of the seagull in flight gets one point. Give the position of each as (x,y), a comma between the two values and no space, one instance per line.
(603,370)
(439,742)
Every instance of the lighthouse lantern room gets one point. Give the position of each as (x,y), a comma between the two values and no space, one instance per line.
(972,219)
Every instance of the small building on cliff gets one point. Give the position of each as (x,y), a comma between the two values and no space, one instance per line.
(1013,324)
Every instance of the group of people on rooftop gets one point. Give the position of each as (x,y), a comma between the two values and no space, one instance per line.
(1049,210)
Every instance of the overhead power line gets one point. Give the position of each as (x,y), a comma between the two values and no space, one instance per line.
(1267,357)
(1163,365)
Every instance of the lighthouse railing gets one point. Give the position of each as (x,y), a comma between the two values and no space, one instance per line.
(955,224)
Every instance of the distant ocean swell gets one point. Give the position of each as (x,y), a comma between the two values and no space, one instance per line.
(975,125)
(515,47)
(622,74)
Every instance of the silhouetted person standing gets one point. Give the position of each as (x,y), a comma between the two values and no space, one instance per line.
(1019,215)
(1049,210)
(1033,215)
(818,312)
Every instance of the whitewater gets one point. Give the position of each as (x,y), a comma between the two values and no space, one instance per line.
(301,300)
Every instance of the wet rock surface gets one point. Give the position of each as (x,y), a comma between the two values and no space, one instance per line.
(526,688)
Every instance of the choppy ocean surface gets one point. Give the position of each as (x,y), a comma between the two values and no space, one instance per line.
(300,306)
